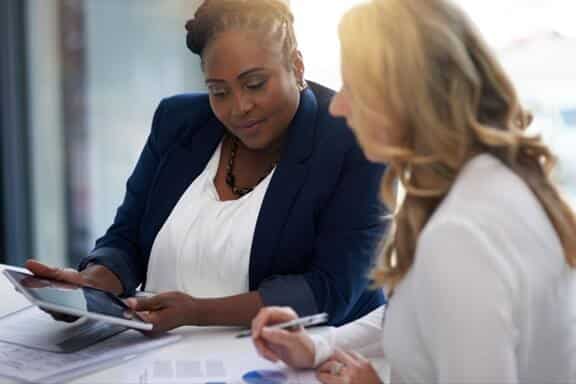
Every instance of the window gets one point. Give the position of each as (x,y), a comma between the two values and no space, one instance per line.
(2,209)
(534,39)
(536,42)
(14,180)
(97,70)
(318,38)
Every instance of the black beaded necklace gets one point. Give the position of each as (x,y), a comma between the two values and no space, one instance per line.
(231,179)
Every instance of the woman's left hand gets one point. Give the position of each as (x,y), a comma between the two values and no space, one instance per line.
(166,310)
(347,368)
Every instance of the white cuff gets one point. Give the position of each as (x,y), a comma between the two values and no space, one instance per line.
(323,347)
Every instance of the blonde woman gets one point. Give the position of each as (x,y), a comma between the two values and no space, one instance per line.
(480,265)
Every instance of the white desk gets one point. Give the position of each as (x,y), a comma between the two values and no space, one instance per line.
(198,343)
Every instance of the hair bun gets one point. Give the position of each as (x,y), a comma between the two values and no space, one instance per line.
(211,14)
(193,40)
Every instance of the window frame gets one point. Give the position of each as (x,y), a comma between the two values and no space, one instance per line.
(15,222)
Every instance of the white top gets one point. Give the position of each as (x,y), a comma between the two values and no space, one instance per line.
(489,299)
(203,248)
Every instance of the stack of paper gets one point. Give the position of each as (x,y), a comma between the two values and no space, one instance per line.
(30,365)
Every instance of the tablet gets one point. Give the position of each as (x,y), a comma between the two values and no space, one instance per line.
(75,300)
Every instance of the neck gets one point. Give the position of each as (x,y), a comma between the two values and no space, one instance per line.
(271,150)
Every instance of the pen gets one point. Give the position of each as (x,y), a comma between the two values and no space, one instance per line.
(145,294)
(305,321)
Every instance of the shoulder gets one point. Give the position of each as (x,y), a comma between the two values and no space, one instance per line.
(185,107)
(180,116)
(488,193)
(323,94)
(490,216)
(332,132)
(325,121)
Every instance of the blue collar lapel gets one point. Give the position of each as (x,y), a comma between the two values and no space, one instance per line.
(286,182)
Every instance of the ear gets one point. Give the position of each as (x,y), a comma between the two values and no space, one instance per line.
(298,66)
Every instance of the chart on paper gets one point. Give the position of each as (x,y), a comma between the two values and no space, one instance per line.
(222,369)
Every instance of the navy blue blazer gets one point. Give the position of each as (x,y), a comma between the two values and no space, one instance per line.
(319,223)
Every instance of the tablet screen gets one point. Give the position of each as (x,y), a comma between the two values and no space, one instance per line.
(77,299)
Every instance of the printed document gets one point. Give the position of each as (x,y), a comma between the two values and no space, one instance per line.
(36,366)
(33,328)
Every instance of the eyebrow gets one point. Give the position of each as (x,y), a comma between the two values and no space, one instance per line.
(240,76)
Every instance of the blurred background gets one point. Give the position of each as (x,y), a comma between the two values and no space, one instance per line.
(80,80)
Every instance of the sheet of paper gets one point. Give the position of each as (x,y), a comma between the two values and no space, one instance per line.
(30,365)
(31,327)
(228,368)
(177,371)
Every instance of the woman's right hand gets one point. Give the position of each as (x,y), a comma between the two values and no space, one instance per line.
(67,275)
(96,276)
(295,348)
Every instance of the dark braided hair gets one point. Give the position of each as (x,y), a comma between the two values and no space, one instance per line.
(270,17)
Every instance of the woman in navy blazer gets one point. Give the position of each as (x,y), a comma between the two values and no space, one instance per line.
(318,225)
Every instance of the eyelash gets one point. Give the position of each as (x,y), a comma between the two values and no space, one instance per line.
(256,86)
(252,87)
(218,94)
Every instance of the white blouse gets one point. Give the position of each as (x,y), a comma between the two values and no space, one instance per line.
(489,299)
(203,248)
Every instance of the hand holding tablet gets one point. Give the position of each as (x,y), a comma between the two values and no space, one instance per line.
(75,300)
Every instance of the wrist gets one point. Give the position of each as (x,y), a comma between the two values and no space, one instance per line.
(322,347)
(310,345)
(99,276)
(194,312)
(236,310)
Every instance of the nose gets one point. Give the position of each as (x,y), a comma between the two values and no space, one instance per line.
(242,104)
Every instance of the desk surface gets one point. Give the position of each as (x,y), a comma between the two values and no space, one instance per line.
(198,343)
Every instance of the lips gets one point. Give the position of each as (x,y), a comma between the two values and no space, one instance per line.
(249,124)
(249,128)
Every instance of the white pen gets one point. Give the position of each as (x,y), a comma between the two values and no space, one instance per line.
(304,322)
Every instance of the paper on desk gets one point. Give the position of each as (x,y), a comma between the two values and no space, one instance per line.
(29,365)
(33,328)
(222,368)
(183,370)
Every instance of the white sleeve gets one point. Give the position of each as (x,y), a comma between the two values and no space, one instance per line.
(465,305)
(363,336)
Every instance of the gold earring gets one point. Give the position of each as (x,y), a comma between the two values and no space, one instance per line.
(302,85)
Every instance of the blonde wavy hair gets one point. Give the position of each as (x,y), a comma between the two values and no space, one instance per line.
(426,66)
